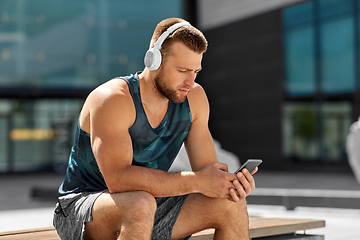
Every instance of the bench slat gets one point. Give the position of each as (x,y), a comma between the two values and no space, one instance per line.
(262,227)
(32,234)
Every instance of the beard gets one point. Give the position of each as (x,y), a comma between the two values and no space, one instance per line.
(172,94)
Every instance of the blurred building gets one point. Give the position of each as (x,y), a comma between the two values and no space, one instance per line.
(283,80)
(282,76)
(52,54)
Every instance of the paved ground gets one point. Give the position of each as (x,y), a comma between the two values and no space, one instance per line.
(16,190)
(19,210)
(341,224)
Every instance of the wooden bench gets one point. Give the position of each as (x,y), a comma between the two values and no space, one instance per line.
(264,227)
(259,227)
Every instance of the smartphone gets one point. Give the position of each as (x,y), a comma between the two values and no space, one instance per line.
(250,165)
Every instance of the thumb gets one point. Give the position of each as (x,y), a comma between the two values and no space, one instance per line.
(222,166)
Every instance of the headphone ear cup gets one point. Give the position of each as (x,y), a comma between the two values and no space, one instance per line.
(152,59)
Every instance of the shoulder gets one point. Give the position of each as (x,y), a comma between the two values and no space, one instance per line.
(109,93)
(109,101)
(199,104)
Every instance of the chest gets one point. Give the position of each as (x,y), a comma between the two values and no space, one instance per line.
(155,115)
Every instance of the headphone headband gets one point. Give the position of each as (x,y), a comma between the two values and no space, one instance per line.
(165,34)
(152,58)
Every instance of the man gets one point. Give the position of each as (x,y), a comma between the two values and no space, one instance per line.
(130,130)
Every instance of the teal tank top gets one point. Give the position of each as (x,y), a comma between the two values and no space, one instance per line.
(152,147)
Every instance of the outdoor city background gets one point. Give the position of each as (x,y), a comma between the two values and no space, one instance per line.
(283,83)
(282,77)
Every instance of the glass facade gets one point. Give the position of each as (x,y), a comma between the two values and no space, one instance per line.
(321,42)
(64,46)
(76,43)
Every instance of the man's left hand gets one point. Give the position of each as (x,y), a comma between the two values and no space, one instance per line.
(243,185)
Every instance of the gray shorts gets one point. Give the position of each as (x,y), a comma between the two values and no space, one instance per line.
(73,211)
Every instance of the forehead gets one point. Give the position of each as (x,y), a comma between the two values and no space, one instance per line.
(180,54)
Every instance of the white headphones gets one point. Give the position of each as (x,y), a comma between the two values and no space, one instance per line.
(152,58)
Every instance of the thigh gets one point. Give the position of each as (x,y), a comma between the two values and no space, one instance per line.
(111,210)
(200,212)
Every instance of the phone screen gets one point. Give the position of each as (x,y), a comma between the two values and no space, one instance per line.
(250,165)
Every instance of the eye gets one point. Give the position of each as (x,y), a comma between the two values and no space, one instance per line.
(182,71)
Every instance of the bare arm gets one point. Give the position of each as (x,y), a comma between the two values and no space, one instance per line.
(199,143)
(201,151)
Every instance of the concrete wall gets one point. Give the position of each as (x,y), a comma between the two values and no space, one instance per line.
(216,13)
(243,76)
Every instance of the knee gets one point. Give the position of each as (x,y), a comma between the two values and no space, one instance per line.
(238,211)
(144,203)
(143,207)
(229,207)
(241,205)
(131,207)
(237,208)
(232,212)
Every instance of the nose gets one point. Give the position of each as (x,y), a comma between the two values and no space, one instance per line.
(190,80)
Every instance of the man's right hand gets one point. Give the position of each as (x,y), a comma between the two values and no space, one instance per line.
(215,181)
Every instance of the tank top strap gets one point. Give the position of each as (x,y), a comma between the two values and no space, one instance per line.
(134,88)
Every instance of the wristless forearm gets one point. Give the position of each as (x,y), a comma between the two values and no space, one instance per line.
(156,182)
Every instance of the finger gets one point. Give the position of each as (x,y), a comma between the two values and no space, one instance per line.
(229,197)
(240,188)
(250,179)
(244,182)
(254,171)
(233,195)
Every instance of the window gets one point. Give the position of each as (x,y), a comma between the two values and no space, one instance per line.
(337,48)
(335,122)
(316,132)
(300,61)
(300,131)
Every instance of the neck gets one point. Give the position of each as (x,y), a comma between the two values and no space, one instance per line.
(148,92)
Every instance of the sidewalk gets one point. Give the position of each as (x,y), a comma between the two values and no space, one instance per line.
(16,190)
(341,223)
(306,189)
(18,210)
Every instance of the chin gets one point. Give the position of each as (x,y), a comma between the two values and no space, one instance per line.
(178,99)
